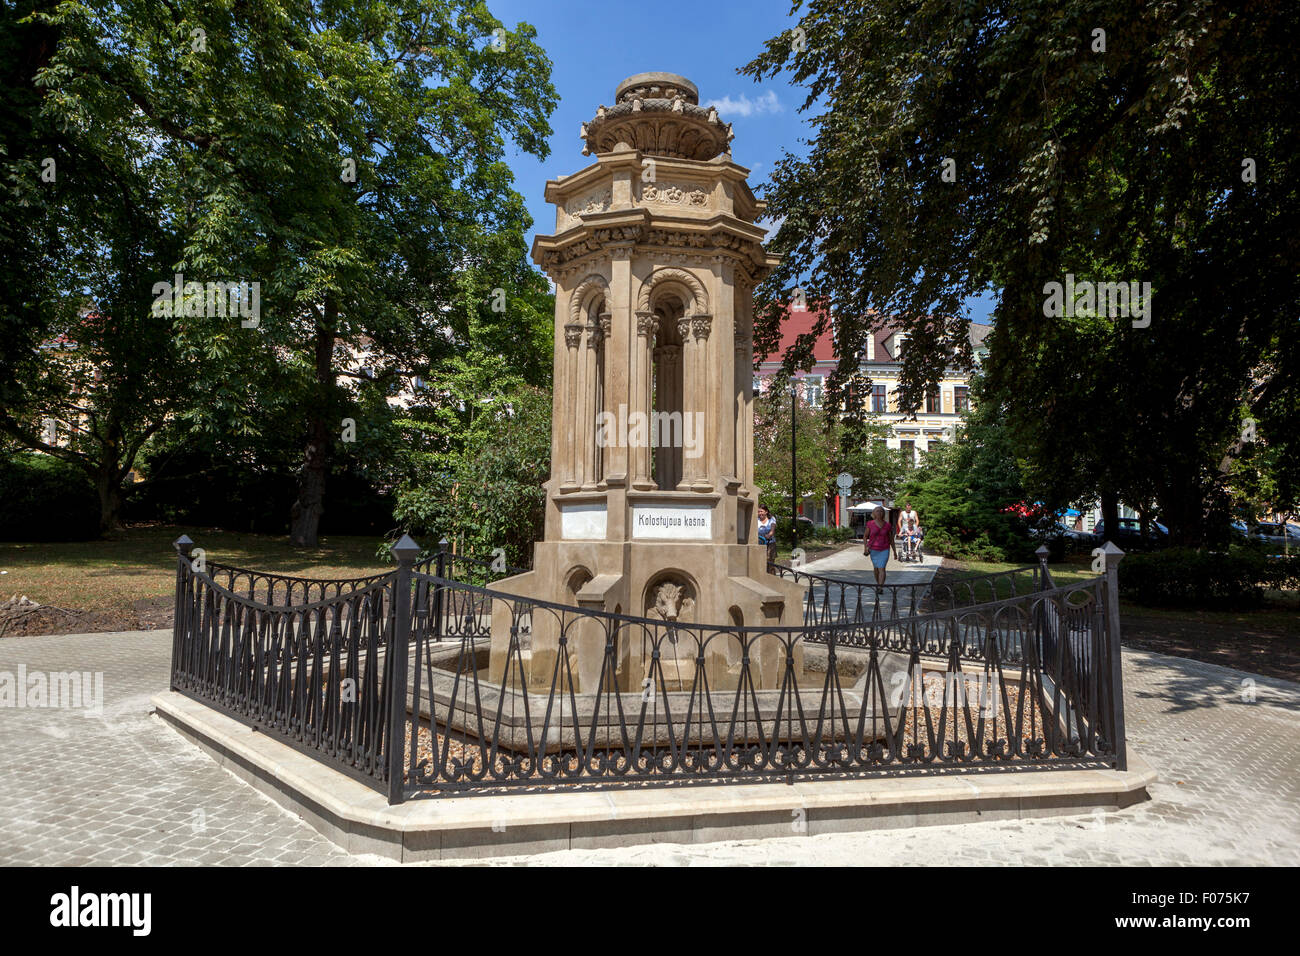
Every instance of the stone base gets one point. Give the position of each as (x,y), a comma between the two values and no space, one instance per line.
(706,583)
(453,827)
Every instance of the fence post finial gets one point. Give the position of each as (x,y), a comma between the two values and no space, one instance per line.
(405,550)
(183,545)
(1042,551)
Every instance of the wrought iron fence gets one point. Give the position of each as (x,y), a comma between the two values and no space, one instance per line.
(419,683)
(305,660)
(830,599)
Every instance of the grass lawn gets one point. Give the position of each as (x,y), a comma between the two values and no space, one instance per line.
(111,578)
(1073,570)
(1264,640)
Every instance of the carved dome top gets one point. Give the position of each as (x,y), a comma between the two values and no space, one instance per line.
(659,114)
(657,86)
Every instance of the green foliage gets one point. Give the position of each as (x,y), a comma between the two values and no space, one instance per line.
(45,499)
(961,489)
(486,491)
(348,157)
(878,470)
(1187,577)
(816,449)
(1123,165)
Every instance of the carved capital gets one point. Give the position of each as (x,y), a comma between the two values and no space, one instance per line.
(606,323)
(701,325)
(684,327)
(595,334)
(572,335)
(647,324)
(742,342)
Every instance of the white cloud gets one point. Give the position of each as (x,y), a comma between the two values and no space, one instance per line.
(772,226)
(744,106)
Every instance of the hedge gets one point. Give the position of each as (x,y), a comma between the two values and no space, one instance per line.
(46,499)
(1187,577)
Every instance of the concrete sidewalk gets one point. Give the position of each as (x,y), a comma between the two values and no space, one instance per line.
(120,787)
(852,564)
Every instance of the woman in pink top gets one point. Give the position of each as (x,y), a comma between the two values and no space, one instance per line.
(879,542)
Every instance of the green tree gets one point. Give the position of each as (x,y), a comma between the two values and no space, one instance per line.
(960,147)
(347,157)
(816,448)
(87,373)
(486,492)
(877,469)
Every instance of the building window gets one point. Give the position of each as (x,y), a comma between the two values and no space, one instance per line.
(758,385)
(812,390)
(878,399)
(908,448)
(961,399)
(932,403)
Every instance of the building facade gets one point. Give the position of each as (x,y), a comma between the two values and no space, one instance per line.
(879,369)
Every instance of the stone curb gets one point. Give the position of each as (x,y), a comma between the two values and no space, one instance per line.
(360,820)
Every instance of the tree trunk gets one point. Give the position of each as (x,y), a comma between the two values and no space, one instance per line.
(1110,514)
(110,499)
(304,517)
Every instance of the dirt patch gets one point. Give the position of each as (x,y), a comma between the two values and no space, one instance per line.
(22,617)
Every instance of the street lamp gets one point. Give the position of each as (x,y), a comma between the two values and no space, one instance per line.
(794,512)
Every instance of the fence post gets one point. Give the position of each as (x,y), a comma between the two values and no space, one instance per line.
(438,595)
(1112,555)
(180,614)
(405,551)
(1043,577)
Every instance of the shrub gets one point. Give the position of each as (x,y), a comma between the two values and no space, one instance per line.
(46,499)
(1190,577)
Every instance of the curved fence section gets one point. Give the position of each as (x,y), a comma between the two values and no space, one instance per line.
(516,692)
(420,682)
(830,599)
(312,672)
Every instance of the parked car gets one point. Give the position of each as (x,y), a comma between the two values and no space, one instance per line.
(1129,534)
(1281,536)
(1077,540)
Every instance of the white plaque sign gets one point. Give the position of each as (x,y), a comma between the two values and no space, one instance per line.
(583,521)
(673,522)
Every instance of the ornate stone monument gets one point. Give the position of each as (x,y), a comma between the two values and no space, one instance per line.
(650,506)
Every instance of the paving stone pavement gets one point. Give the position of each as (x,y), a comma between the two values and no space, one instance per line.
(122,788)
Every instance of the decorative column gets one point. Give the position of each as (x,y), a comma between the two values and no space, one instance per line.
(695,386)
(587,425)
(603,375)
(642,397)
(742,417)
(569,407)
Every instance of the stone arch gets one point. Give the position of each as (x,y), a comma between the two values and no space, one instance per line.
(575,580)
(687,597)
(699,299)
(585,295)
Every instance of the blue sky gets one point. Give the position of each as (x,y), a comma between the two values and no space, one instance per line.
(595,45)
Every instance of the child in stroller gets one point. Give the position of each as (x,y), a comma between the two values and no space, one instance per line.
(911,537)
